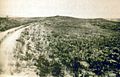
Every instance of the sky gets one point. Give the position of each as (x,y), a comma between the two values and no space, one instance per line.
(74,8)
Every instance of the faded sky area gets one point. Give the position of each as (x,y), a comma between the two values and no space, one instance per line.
(75,8)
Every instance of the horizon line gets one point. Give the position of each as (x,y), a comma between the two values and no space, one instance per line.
(60,16)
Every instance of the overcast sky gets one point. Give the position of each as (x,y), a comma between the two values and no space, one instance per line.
(75,8)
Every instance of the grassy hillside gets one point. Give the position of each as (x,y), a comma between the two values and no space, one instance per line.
(53,44)
(11,22)
(6,23)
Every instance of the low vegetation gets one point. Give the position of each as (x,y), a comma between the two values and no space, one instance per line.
(52,44)
(11,22)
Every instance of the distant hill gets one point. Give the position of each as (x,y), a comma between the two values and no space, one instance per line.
(114,19)
(11,22)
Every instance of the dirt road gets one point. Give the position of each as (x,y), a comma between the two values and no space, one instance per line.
(7,46)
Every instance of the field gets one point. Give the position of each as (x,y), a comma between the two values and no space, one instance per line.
(62,46)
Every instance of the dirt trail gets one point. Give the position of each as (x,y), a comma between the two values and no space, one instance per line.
(4,34)
(7,47)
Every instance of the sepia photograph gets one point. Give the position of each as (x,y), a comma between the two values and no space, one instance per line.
(59,38)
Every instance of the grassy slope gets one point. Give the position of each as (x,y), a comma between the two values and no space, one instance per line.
(8,23)
(53,43)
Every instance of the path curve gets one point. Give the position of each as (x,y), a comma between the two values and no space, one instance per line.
(7,46)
